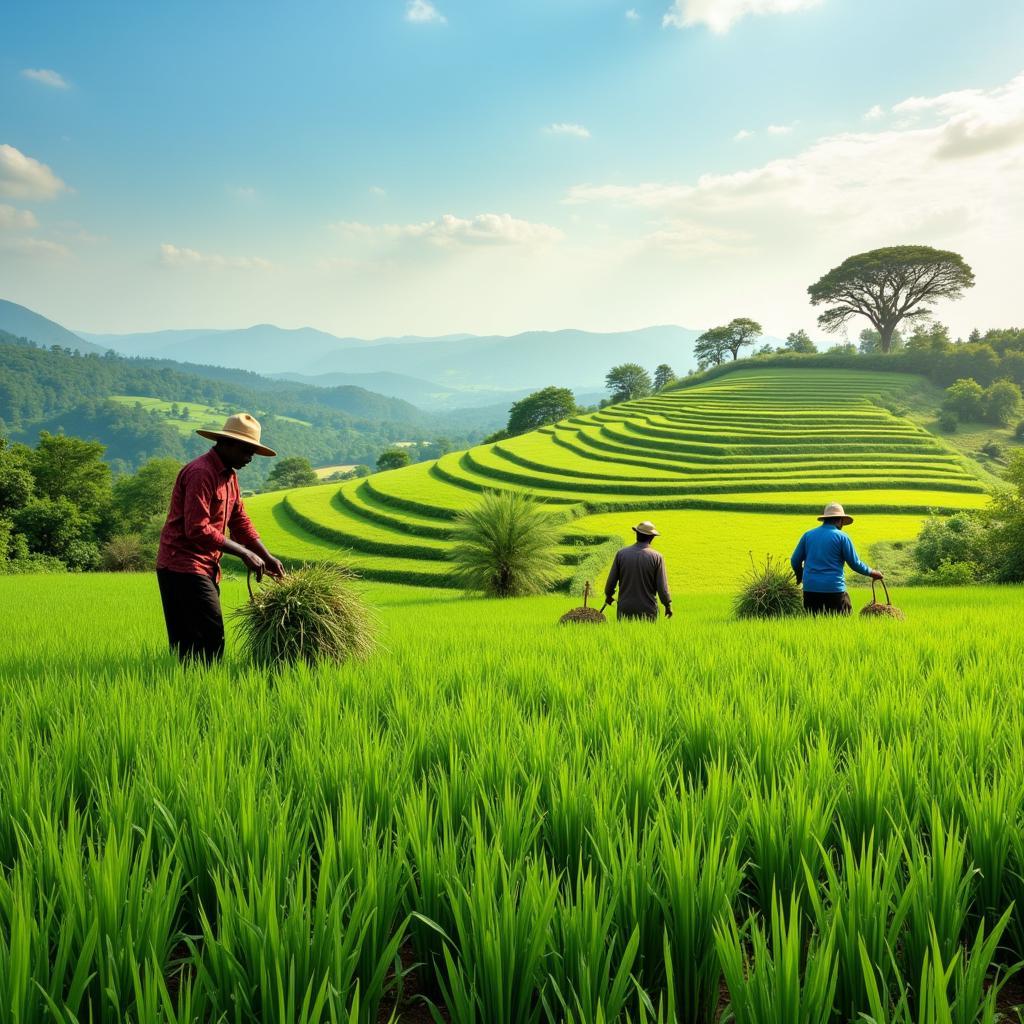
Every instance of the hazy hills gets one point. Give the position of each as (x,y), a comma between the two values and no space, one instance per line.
(445,372)
(24,323)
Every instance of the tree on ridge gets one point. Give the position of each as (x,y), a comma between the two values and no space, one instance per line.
(888,286)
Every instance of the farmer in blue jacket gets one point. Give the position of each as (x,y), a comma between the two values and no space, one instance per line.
(820,560)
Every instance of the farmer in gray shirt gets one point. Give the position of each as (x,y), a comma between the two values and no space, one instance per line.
(639,573)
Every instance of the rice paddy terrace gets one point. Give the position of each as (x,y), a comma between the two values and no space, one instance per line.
(720,454)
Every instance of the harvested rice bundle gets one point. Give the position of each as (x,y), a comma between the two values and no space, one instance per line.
(313,614)
(583,614)
(887,610)
(769,592)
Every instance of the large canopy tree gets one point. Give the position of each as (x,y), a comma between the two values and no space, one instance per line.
(549,405)
(710,348)
(889,285)
(628,380)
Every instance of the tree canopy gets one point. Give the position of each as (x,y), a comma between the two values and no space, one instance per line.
(291,471)
(628,380)
(710,348)
(888,286)
(800,341)
(549,405)
(663,376)
(393,458)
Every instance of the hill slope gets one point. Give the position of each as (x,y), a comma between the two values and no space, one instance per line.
(727,451)
(24,323)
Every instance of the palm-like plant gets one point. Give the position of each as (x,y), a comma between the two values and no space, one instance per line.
(506,546)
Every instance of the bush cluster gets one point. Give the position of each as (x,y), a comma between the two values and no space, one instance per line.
(969,402)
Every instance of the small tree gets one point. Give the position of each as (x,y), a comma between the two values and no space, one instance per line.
(871,342)
(506,546)
(627,381)
(549,405)
(663,376)
(393,458)
(1002,402)
(740,333)
(888,286)
(139,497)
(710,347)
(800,341)
(291,471)
(965,399)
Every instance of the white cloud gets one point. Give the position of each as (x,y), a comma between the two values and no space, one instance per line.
(742,135)
(423,11)
(721,15)
(46,76)
(780,129)
(34,248)
(876,113)
(489,229)
(245,193)
(21,177)
(873,187)
(176,256)
(632,14)
(566,128)
(12,219)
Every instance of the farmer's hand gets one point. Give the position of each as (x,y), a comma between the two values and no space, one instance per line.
(876,575)
(668,612)
(254,564)
(275,568)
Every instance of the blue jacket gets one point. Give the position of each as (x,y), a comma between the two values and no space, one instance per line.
(820,558)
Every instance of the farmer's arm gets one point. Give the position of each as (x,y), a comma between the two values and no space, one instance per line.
(199,528)
(854,562)
(243,531)
(613,581)
(797,560)
(664,594)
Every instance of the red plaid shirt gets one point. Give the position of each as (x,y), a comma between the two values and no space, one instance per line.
(205,505)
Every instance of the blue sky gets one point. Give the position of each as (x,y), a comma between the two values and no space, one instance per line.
(404,166)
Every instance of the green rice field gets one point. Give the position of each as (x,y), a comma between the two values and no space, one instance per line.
(496,819)
(735,465)
(200,415)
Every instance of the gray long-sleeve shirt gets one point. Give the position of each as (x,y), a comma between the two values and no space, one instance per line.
(639,573)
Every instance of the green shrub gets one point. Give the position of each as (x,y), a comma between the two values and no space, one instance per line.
(948,422)
(314,614)
(769,592)
(124,552)
(1019,431)
(956,538)
(993,449)
(951,574)
(506,546)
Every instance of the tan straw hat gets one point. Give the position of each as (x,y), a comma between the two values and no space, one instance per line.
(240,427)
(833,510)
(646,529)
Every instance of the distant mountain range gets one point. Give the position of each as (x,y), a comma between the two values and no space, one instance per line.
(454,370)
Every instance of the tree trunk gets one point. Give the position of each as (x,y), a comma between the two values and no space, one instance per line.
(885,338)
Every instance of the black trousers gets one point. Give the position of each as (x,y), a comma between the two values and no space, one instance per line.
(827,604)
(195,625)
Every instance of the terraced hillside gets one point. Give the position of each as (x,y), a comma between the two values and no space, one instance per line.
(740,461)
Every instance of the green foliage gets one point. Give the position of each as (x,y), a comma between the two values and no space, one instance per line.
(56,527)
(965,399)
(506,546)
(711,347)
(870,342)
(948,422)
(1018,431)
(888,286)
(628,381)
(314,614)
(769,592)
(956,538)
(549,405)
(393,458)
(125,552)
(663,376)
(291,471)
(800,341)
(1002,402)
(141,496)
(72,469)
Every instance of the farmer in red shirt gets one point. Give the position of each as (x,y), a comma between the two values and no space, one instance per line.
(205,506)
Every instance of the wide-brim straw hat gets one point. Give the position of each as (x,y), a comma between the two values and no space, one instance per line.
(833,510)
(646,529)
(240,427)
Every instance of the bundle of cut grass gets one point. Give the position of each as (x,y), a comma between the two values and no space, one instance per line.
(876,609)
(314,614)
(583,614)
(769,592)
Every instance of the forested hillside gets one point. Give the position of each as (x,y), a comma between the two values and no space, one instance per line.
(56,389)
